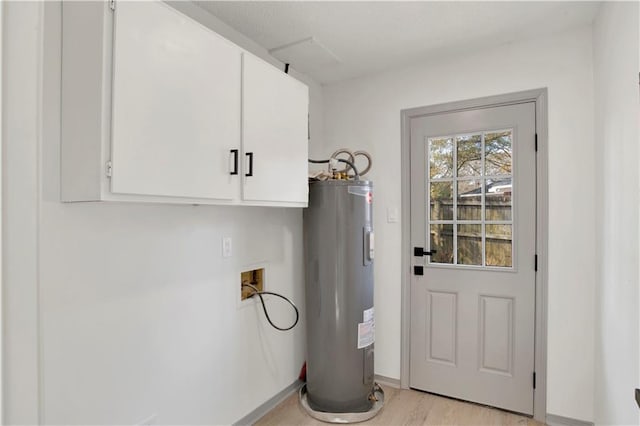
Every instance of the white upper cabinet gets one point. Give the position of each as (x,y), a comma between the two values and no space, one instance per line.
(176,105)
(158,108)
(275,133)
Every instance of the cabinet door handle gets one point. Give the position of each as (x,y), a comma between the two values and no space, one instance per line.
(235,162)
(250,155)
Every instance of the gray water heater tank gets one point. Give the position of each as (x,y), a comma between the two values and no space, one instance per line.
(338,240)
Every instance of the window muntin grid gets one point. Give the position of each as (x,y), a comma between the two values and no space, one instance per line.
(470,206)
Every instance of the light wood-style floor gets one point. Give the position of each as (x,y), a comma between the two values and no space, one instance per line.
(407,407)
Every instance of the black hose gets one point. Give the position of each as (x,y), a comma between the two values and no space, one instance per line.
(264,308)
(347,162)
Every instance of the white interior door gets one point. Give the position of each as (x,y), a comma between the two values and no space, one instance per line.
(275,110)
(473,206)
(176,105)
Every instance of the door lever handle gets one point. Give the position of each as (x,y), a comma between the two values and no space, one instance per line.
(419,251)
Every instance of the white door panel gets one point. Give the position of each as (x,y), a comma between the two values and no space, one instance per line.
(274,134)
(473,202)
(442,328)
(176,105)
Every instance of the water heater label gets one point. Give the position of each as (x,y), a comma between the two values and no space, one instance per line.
(361,191)
(367,315)
(366,329)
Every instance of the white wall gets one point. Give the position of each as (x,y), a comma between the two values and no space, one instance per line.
(617,109)
(118,312)
(365,114)
(1,215)
(20,139)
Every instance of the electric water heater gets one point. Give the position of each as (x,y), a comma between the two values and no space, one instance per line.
(339,251)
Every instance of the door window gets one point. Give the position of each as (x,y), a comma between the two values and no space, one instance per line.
(470,199)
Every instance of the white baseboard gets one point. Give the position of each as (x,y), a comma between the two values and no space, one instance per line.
(383,380)
(263,409)
(553,420)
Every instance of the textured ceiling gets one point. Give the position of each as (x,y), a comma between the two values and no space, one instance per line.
(371,36)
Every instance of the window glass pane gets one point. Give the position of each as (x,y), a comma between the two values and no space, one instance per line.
(442,243)
(498,199)
(441,200)
(440,158)
(469,155)
(498,241)
(497,153)
(470,244)
(481,168)
(469,200)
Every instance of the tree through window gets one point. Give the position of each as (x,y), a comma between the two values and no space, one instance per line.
(470,188)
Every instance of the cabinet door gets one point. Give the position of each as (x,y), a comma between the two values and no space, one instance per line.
(175,106)
(275,133)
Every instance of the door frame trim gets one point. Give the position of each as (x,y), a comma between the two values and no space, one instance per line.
(539,96)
